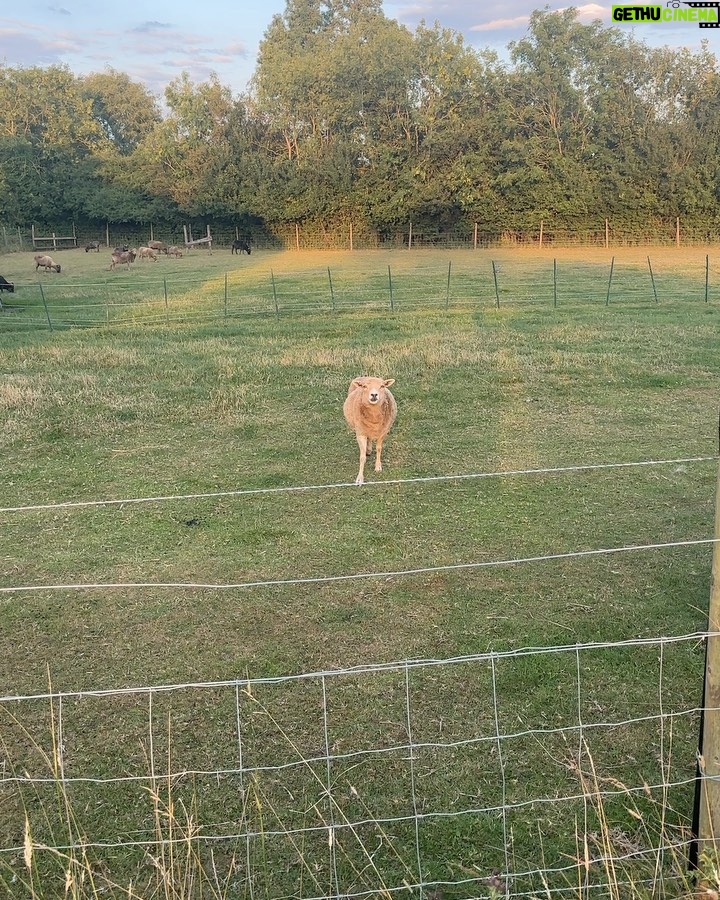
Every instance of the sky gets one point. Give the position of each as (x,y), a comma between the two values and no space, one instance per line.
(154,43)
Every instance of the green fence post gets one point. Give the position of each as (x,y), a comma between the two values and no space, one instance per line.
(555,282)
(47,311)
(707,277)
(272,278)
(447,291)
(167,309)
(652,279)
(612,266)
(392,305)
(225,299)
(332,293)
(497,292)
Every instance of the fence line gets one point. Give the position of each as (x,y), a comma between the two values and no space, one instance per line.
(355,576)
(254,293)
(422,479)
(287,772)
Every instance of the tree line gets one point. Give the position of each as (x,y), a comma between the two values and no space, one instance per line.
(351,117)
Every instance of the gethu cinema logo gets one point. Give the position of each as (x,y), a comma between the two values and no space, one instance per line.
(705,14)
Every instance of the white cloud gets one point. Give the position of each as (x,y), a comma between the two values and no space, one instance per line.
(496,24)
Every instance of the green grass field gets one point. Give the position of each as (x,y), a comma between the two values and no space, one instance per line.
(217,389)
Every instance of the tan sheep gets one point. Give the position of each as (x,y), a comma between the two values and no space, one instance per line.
(174,251)
(122,256)
(370,410)
(147,253)
(45,262)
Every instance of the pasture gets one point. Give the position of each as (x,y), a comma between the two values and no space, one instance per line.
(215,393)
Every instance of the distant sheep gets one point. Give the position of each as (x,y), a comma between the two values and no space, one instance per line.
(147,253)
(370,410)
(157,245)
(45,262)
(92,245)
(174,251)
(122,256)
(8,286)
(240,247)
(124,249)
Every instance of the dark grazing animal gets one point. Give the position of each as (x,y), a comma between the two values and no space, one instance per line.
(157,245)
(92,245)
(123,249)
(8,286)
(240,247)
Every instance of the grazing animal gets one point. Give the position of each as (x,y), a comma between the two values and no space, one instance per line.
(45,262)
(370,410)
(124,249)
(147,253)
(8,286)
(157,245)
(174,251)
(92,245)
(240,247)
(122,256)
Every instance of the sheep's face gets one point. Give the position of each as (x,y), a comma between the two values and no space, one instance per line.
(373,388)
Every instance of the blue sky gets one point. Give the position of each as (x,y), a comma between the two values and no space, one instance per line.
(154,43)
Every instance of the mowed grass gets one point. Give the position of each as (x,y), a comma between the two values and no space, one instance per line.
(250,397)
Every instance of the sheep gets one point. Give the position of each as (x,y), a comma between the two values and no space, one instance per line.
(240,247)
(157,245)
(370,410)
(92,245)
(124,249)
(174,251)
(147,253)
(8,286)
(46,262)
(122,256)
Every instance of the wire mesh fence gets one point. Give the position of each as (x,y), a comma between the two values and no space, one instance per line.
(51,302)
(357,235)
(430,777)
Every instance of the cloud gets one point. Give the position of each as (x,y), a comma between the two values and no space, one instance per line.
(150,27)
(19,49)
(496,24)
(60,10)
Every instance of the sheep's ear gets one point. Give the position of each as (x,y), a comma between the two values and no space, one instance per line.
(357,382)
(388,382)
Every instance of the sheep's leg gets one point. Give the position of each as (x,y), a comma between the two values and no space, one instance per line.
(378,453)
(363,445)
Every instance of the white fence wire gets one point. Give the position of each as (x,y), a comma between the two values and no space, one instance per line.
(340,778)
(522,773)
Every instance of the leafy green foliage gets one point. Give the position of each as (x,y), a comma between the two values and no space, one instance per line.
(352,117)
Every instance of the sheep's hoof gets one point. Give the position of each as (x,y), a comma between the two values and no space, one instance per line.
(359,480)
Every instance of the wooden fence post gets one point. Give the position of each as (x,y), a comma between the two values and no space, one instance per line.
(709,759)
